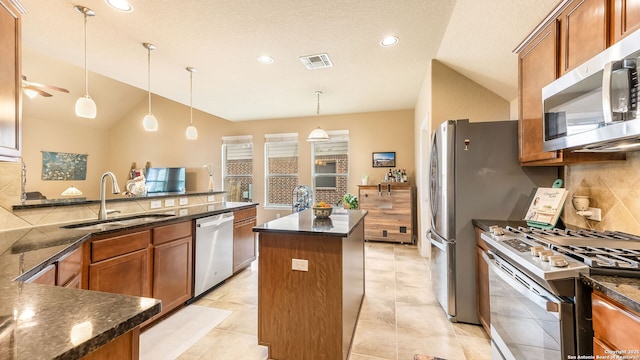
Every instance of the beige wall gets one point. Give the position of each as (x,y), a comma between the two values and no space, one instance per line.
(457,97)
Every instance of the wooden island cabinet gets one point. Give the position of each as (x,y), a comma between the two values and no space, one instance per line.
(244,239)
(615,328)
(310,284)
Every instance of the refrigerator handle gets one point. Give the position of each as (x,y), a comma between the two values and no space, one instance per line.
(379,189)
(389,189)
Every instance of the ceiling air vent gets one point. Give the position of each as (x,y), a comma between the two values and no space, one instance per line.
(318,61)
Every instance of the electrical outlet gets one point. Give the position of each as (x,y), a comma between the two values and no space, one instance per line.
(156,204)
(211,198)
(169,203)
(596,214)
(184,201)
(299,265)
(184,212)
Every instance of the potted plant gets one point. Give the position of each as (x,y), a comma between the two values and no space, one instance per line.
(349,201)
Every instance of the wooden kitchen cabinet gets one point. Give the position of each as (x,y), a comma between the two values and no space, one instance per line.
(70,269)
(625,18)
(11,84)
(172,265)
(46,276)
(482,283)
(244,239)
(121,264)
(558,43)
(615,327)
(583,30)
(391,214)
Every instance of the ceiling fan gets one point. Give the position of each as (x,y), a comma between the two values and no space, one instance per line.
(32,89)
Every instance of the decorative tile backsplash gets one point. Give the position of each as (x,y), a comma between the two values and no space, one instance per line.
(613,187)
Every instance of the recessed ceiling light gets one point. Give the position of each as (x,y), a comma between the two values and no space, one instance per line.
(389,41)
(121,5)
(265,59)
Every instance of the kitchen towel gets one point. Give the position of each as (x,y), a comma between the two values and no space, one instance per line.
(177,333)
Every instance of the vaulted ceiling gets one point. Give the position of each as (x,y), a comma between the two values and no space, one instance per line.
(223,38)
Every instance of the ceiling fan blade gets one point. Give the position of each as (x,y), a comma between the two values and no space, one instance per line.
(27,83)
(37,89)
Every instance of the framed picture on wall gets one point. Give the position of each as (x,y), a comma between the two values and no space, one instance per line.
(384,159)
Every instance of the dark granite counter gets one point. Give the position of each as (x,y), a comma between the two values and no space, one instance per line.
(50,322)
(341,223)
(484,224)
(622,289)
(56,313)
(35,204)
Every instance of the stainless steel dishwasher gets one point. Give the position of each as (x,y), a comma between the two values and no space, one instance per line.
(213,251)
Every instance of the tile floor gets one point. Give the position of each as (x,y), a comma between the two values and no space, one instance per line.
(399,317)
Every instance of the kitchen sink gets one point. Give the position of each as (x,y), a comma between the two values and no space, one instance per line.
(117,222)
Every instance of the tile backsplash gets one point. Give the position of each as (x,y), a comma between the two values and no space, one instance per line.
(613,187)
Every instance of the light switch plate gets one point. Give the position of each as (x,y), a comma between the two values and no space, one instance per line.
(184,201)
(156,204)
(211,198)
(169,202)
(299,265)
(184,212)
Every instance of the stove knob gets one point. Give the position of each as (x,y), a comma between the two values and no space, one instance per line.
(545,254)
(558,261)
(535,250)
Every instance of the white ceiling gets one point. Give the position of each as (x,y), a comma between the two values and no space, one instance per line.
(223,38)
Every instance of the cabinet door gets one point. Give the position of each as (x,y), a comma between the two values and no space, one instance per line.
(125,274)
(244,244)
(70,269)
(583,32)
(538,66)
(11,84)
(172,273)
(46,276)
(626,18)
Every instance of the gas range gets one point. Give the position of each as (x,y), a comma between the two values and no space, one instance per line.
(555,254)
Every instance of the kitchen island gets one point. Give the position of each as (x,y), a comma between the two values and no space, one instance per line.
(310,284)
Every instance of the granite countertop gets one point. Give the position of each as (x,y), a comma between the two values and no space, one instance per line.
(484,224)
(49,332)
(341,223)
(624,290)
(51,322)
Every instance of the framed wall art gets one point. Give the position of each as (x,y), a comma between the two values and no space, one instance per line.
(384,159)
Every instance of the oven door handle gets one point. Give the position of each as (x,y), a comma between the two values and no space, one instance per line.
(544,301)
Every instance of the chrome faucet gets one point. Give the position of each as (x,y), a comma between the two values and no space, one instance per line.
(102,214)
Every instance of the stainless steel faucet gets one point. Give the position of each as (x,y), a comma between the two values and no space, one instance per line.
(102,214)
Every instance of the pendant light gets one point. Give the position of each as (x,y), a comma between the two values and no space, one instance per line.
(149,122)
(318,134)
(192,132)
(85,106)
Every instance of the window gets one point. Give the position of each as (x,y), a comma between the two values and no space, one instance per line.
(331,167)
(281,168)
(237,167)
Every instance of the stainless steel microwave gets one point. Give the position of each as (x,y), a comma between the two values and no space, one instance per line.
(594,108)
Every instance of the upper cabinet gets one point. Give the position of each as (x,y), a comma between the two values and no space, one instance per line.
(574,32)
(582,27)
(625,18)
(11,84)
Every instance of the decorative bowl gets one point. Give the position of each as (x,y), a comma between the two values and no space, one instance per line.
(322,212)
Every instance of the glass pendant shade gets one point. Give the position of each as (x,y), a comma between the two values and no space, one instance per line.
(150,122)
(318,135)
(86,107)
(192,132)
(72,191)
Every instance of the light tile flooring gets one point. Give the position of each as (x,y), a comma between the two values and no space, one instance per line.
(399,317)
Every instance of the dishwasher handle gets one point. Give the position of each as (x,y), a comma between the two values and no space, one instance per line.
(217,221)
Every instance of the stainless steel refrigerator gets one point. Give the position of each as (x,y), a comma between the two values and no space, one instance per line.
(474,173)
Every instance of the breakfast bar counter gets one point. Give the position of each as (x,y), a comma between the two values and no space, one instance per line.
(310,284)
